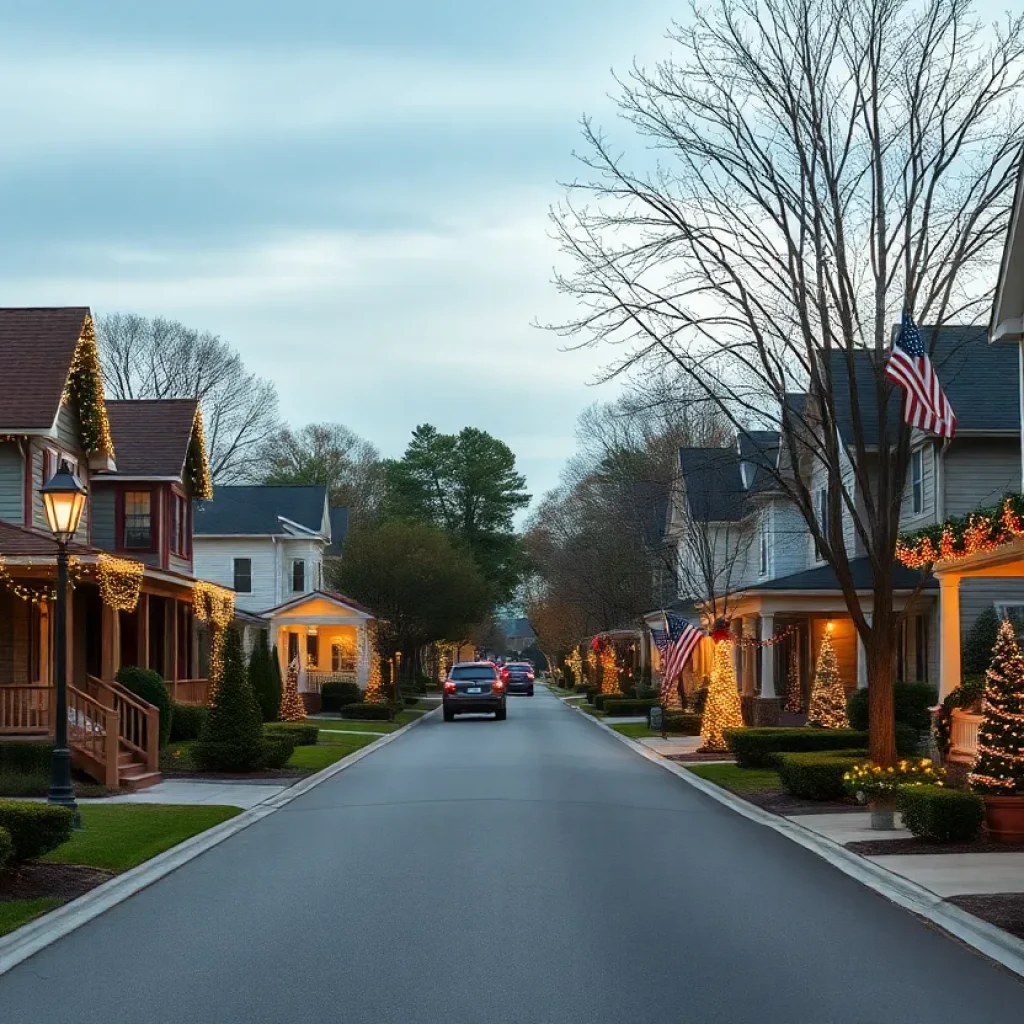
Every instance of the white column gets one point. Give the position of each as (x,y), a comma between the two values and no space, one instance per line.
(737,651)
(362,656)
(949,634)
(862,660)
(749,653)
(767,656)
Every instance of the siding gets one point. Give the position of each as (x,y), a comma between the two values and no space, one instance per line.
(789,540)
(213,560)
(12,483)
(103,525)
(68,429)
(179,564)
(309,550)
(908,520)
(38,515)
(979,472)
(977,594)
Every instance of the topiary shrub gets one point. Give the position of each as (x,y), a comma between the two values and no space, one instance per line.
(34,828)
(335,696)
(299,733)
(682,722)
(368,712)
(232,736)
(623,708)
(756,748)
(941,815)
(976,651)
(601,699)
(25,758)
(908,740)
(187,722)
(911,703)
(149,685)
(6,848)
(816,776)
(265,683)
(277,749)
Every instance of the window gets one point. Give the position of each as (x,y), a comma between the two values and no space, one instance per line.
(293,647)
(821,504)
(312,649)
(764,546)
(243,575)
(179,525)
(299,575)
(138,520)
(917,481)
(343,656)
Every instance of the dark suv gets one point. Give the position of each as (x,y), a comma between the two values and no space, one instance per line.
(474,687)
(518,677)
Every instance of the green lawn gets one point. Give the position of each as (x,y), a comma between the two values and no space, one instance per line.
(353,726)
(589,709)
(326,753)
(39,785)
(15,913)
(739,780)
(120,836)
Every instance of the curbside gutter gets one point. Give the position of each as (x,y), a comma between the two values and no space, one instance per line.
(986,938)
(30,938)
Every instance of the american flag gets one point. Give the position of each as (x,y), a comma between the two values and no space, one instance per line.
(679,644)
(926,405)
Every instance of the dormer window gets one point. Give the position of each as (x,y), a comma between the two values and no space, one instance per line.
(763,567)
(298,576)
(138,520)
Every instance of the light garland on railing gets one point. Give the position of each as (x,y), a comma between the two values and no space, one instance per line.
(983,530)
(41,593)
(120,582)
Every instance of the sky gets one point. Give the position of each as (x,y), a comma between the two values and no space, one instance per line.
(354,195)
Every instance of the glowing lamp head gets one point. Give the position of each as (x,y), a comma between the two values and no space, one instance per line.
(64,501)
(831,625)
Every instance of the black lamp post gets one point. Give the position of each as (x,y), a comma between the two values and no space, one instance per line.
(64,499)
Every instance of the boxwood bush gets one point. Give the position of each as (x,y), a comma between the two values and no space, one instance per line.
(600,700)
(816,776)
(941,815)
(682,722)
(25,758)
(6,847)
(622,708)
(298,733)
(149,685)
(277,749)
(911,702)
(187,722)
(335,696)
(34,828)
(368,712)
(755,748)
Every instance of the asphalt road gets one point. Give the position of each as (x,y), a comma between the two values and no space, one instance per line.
(533,871)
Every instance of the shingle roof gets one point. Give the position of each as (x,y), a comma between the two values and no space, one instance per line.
(36,349)
(151,438)
(823,578)
(980,380)
(339,529)
(714,487)
(17,541)
(254,509)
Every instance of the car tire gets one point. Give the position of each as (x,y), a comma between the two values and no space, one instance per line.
(449,716)
(529,692)
(499,716)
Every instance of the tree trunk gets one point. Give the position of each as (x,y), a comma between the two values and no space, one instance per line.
(879,649)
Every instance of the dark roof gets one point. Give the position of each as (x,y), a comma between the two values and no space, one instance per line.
(339,529)
(714,487)
(980,380)
(760,448)
(254,509)
(517,627)
(18,541)
(36,349)
(151,438)
(823,578)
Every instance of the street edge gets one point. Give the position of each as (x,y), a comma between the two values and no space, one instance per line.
(986,938)
(30,938)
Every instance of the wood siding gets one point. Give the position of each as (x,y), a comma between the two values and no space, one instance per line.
(12,483)
(978,472)
(104,525)
(908,519)
(789,539)
(68,429)
(978,594)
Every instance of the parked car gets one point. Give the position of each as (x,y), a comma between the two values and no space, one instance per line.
(518,677)
(474,687)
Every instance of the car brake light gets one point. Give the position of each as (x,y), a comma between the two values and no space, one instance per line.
(529,675)
(449,686)
(504,673)
(499,684)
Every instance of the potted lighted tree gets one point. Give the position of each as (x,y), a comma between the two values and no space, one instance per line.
(998,774)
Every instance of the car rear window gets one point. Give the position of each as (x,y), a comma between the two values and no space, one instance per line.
(518,664)
(473,672)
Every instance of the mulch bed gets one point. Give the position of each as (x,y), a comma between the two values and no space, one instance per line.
(269,775)
(56,881)
(1004,909)
(697,756)
(883,847)
(786,805)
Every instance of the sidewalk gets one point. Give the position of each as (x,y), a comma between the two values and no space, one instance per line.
(189,791)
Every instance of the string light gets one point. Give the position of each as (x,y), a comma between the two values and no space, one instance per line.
(977,532)
(575,665)
(827,707)
(292,707)
(752,641)
(120,582)
(84,389)
(999,769)
(38,593)
(794,696)
(609,670)
(216,606)
(199,463)
(374,683)
(722,708)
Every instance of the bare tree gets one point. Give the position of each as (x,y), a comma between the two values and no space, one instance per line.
(813,167)
(159,358)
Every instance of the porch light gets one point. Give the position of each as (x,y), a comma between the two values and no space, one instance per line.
(64,501)
(831,625)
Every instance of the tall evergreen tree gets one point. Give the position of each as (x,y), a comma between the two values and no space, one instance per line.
(999,770)
(266,686)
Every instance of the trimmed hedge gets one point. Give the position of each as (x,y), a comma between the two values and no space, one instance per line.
(34,828)
(149,685)
(941,815)
(6,847)
(622,708)
(25,758)
(816,776)
(682,722)
(298,733)
(756,748)
(335,696)
(908,740)
(187,722)
(277,749)
(600,699)
(911,702)
(368,712)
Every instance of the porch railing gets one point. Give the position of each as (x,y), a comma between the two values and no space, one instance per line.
(189,691)
(138,721)
(93,731)
(26,710)
(963,739)
(316,679)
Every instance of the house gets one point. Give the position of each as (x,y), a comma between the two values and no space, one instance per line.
(133,597)
(518,634)
(270,543)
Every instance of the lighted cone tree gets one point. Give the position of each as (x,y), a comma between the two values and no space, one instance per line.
(575,665)
(374,683)
(794,698)
(722,709)
(999,770)
(609,670)
(292,708)
(827,707)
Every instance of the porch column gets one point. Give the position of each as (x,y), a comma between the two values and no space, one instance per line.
(171,630)
(949,626)
(768,706)
(737,650)
(142,627)
(110,642)
(862,659)
(363,659)
(749,653)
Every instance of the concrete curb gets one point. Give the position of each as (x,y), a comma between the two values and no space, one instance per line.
(30,938)
(993,942)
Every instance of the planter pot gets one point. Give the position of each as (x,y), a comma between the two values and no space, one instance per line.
(1004,818)
(883,813)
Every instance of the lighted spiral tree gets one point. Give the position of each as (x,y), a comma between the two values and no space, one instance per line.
(292,707)
(827,707)
(591,669)
(794,698)
(605,651)
(999,770)
(722,709)
(575,665)
(374,683)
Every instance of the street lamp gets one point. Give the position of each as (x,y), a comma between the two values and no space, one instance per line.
(64,500)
